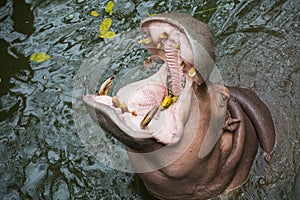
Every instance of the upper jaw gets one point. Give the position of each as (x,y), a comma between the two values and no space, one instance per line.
(159,36)
(200,51)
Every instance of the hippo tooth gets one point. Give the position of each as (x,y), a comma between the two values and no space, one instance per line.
(123,107)
(177,46)
(115,102)
(147,40)
(192,72)
(163,36)
(105,86)
(149,116)
(158,45)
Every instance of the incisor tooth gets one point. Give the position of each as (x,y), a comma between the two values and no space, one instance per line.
(158,46)
(163,36)
(147,40)
(192,71)
(115,102)
(123,107)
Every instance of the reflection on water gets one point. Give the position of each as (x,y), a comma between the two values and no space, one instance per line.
(41,156)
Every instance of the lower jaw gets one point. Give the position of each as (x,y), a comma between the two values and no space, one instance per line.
(167,125)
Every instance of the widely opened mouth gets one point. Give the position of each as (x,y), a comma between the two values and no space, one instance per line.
(158,106)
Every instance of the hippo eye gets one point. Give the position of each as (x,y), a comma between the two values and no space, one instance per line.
(223,100)
(224,97)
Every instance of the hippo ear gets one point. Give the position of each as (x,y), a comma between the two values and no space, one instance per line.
(259,114)
(231,124)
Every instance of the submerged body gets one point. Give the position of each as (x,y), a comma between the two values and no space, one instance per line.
(204,141)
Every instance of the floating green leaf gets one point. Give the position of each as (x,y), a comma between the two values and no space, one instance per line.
(104,29)
(94,13)
(108,34)
(109,7)
(105,25)
(39,57)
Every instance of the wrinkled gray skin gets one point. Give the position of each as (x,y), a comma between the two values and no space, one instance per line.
(220,134)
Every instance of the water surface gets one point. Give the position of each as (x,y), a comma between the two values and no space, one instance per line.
(42,157)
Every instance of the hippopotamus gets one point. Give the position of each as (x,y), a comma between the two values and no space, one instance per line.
(186,136)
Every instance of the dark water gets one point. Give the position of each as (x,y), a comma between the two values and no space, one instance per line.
(42,157)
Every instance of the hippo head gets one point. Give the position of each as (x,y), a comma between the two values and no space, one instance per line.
(178,127)
(174,39)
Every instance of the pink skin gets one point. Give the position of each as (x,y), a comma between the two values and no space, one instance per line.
(205,143)
(175,36)
(167,126)
(141,96)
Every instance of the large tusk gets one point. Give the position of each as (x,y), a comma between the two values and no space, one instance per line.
(104,88)
(149,116)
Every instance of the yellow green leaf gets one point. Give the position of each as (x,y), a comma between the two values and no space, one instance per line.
(108,34)
(109,7)
(105,25)
(39,57)
(94,13)
(104,29)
